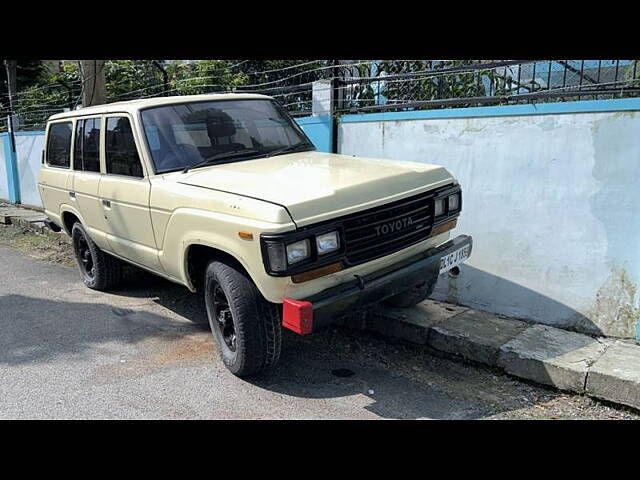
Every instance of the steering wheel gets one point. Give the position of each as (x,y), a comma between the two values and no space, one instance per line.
(181,155)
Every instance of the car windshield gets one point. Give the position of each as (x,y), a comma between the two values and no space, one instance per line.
(183,135)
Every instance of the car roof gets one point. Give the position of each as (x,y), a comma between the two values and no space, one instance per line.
(133,105)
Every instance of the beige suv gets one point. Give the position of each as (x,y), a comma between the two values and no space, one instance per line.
(226,194)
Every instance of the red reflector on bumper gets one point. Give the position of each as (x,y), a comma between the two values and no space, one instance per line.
(297,315)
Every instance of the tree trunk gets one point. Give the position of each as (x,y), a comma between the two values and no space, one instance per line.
(94,84)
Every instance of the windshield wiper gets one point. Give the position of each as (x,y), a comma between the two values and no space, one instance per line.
(220,156)
(290,148)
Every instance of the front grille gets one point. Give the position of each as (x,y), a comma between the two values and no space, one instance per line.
(386,229)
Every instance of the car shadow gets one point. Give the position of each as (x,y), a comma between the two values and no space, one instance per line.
(139,283)
(36,330)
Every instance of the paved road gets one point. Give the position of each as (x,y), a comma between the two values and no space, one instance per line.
(147,352)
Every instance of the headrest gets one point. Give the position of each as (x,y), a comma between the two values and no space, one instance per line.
(219,123)
(220,126)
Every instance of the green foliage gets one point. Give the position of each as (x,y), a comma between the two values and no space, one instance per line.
(49,93)
(28,73)
(127,78)
(204,76)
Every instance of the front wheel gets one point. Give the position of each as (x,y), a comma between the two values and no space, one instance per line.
(244,324)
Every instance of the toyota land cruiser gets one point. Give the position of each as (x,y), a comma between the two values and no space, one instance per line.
(226,194)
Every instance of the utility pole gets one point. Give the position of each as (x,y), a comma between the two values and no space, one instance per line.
(336,103)
(11,66)
(94,84)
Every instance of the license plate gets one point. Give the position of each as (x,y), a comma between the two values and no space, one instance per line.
(454,258)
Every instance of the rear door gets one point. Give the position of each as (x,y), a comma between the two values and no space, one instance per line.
(87,176)
(55,178)
(124,194)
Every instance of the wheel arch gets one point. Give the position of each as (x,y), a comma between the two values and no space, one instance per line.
(197,256)
(69,216)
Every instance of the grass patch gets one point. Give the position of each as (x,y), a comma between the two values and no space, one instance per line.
(50,247)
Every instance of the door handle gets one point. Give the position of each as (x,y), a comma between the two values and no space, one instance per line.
(106,203)
(72,195)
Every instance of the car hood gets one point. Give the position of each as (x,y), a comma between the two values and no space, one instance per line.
(315,186)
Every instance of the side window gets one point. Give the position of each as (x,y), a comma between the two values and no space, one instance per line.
(122,155)
(59,145)
(86,154)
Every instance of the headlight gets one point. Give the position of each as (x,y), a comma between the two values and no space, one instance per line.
(327,242)
(439,207)
(454,202)
(298,251)
(277,258)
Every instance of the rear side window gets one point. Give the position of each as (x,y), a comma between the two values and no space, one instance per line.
(86,154)
(59,145)
(122,155)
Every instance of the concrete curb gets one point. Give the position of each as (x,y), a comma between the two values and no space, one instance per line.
(598,367)
(23,217)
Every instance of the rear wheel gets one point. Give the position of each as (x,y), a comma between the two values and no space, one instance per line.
(244,324)
(413,296)
(99,270)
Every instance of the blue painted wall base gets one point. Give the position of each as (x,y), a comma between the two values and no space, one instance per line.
(13,180)
(319,129)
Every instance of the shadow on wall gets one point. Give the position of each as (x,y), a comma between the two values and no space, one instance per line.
(510,299)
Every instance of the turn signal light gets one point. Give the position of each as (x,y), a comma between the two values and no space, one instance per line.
(319,272)
(445,227)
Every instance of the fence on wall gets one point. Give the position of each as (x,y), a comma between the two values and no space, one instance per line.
(409,85)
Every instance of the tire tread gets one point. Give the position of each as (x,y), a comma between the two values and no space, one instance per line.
(256,320)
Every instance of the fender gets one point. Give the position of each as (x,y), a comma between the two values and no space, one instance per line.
(187,227)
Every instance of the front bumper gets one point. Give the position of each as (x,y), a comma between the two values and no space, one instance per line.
(329,305)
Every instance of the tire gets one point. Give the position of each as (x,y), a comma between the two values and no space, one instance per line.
(413,296)
(99,270)
(245,325)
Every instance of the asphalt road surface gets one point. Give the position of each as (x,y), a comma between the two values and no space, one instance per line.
(146,352)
